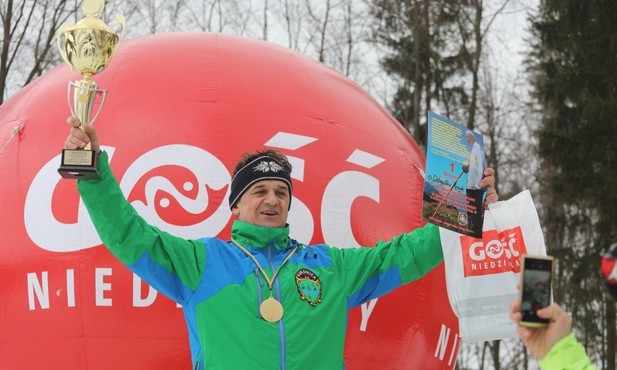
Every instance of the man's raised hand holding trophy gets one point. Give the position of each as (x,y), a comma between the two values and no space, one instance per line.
(87,47)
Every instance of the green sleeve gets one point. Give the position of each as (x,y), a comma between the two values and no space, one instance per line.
(567,354)
(141,247)
(367,273)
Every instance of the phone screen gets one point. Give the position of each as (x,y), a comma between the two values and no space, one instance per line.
(535,288)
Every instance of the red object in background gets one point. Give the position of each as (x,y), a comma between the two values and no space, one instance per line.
(180,109)
(608,270)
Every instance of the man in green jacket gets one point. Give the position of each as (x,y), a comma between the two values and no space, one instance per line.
(260,300)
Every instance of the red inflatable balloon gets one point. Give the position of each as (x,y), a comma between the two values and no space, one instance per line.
(180,109)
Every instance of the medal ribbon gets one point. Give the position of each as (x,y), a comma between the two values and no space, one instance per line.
(268,280)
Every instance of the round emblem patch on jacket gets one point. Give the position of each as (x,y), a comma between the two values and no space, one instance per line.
(309,286)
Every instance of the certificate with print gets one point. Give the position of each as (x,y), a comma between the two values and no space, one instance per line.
(455,164)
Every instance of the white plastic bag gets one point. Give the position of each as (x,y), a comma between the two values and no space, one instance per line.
(482,274)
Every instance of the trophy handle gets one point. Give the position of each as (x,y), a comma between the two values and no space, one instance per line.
(60,48)
(81,96)
(120,20)
(68,98)
(103,96)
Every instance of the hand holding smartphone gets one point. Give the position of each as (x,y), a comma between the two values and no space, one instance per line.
(536,290)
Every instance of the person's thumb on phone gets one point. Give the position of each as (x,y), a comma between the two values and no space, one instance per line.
(555,314)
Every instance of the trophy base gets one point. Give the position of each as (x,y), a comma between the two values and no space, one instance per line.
(79,164)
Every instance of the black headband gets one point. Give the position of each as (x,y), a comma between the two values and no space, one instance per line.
(262,168)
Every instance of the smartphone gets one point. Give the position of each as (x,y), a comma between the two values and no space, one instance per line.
(535,288)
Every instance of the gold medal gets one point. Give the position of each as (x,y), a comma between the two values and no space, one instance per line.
(271,310)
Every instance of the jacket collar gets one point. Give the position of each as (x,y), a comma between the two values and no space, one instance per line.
(255,236)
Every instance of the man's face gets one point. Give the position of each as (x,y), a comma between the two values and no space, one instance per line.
(265,203)
(470,139)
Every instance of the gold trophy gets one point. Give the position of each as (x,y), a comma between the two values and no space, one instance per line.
(87,47)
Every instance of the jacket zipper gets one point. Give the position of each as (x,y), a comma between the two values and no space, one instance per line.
(278,295)
(198,363)
(259,297)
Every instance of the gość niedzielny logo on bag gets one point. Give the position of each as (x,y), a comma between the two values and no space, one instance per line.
(494,253)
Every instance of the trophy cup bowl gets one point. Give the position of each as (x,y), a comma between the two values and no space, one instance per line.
(87,47)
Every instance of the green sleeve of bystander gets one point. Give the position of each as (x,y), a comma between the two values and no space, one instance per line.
(567,354)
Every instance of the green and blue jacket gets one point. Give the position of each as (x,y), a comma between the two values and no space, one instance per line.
(221,288)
